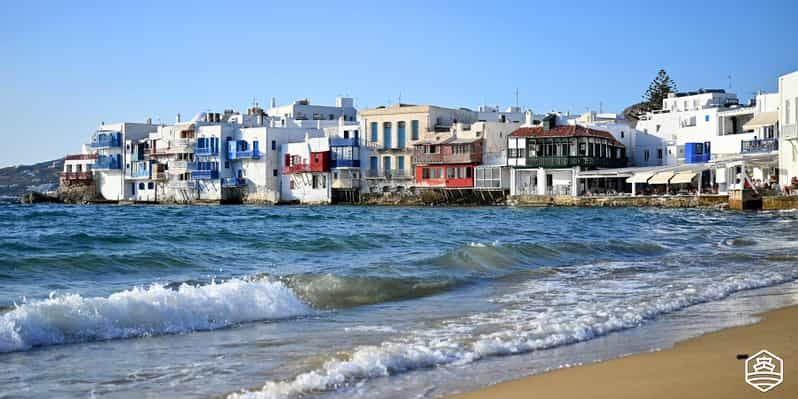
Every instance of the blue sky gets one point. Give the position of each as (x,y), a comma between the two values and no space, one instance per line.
(66,66)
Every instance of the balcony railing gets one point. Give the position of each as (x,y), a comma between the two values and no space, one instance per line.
(180,165)
(182,184)
(296,168)
(342,142)
(569,162)
(206,151)
(247,154)
(438,158)
(80,157)
(138,174)
(204,174)
(106,140)
(344,163)
(76,175)
(389,174)
(107,162)
(759,146)
(232,182)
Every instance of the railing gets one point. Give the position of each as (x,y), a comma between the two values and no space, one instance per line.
(139,173)
(760,145)
(231,182)
(569,162)
(342,142)
(182,184)
(204,174)
(80,157)
(389,173)
(296,168)
(76,175)
(206,151)
(344,163)
(438,158)
(107,140)
(247,154)
(105,162)
(180,165)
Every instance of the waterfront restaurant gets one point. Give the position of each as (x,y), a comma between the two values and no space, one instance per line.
(546,160)
(447,163)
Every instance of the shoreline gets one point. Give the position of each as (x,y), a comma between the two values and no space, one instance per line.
(700,367)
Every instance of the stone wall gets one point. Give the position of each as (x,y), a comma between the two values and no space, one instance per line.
(710,201)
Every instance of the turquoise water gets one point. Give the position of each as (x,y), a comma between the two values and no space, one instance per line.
(124,302)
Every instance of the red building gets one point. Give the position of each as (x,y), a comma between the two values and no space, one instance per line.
(447,163)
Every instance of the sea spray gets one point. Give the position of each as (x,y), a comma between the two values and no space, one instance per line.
(138,312)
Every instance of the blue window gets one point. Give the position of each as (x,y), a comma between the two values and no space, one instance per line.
(386,135)
(274,172)
(274,145)
(414,130)
(386,164)
(400,163)
(373,163)
(374,134)
(400,135)
(706,118)
(255,147)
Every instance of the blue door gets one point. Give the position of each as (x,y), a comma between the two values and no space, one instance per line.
(400,163)
(373,166)
(386,164)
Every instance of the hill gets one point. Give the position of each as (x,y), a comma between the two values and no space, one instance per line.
(17,180)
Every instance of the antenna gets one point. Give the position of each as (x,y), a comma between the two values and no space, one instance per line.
(400,97)
(730,82)
(601,107)
(516,97)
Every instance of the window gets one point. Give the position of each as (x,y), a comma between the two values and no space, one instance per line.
(274,172)
(400,163)
(659,153)
(645,155)
(451,173)
(582,149)
(227,164)
(292,185)
(414,130)
(386,135)
(374,133)
(622,132)
(150,185)
(706,118)
(346,134)
(141,186)
(274,145)
(335,175)
(315,182)
(400,135)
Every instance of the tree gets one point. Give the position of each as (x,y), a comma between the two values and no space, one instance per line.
(658,90)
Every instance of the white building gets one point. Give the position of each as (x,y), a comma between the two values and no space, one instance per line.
(788,120)
(108,168)
(303,112)
(642,149)
(305,176)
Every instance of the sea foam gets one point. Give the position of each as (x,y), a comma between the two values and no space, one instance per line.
(524,330)
(138,312)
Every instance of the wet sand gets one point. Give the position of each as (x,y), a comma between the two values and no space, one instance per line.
(703,367)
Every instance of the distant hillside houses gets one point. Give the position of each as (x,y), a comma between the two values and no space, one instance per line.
(703,142)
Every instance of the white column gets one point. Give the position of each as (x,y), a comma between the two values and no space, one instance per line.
(700,175)
(513,188)
(574,181)
(541,181)
(634,194)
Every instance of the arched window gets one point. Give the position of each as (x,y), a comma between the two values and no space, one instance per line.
(141,186)
(150,185)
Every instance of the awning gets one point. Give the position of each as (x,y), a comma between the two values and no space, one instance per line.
(762,119)
(640,177)
(683,178)
(661,178)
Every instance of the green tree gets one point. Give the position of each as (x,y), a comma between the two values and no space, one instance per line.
(658,90)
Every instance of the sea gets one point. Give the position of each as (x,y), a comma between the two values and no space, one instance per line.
(364,302)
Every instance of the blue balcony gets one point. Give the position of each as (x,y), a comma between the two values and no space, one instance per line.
(206,151)
(759,146)
(204,174)
(234,182)
(342,142)
(139,173)
(697,152)
(106,140)
(345,163)
(246,154)
(107,162)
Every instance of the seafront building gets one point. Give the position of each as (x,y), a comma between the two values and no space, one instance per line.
(109,166)
(788,120)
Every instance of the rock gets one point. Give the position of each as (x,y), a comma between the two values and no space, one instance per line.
(35,197)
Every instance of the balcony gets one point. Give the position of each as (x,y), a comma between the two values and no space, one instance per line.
(234,182)
(206,151)
(389,174)
(138,174)
(76,176)
(107,162)
(80,157)
(569,162)
(246,154)
(107,140)
(439,158)
(296,168)
(182,184)
(344,163)
(759,146)
(180,166)
(342,142)
(204,174)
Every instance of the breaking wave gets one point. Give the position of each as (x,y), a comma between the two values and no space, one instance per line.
(139,312)
(458,343)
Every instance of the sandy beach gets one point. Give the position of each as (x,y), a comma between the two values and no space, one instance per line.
(703,367)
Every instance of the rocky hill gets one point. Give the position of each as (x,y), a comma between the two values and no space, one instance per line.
(41,177)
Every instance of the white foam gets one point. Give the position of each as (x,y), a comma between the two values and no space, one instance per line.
(145,311)
(524,328)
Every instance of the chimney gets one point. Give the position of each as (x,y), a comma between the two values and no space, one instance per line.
(528,118)
(340,124)
(260,118)
(274,102)
(178,117)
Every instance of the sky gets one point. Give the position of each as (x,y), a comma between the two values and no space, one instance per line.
(67,66)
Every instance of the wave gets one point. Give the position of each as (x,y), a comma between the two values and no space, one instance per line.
(139,312)
(530,331)
(329,291)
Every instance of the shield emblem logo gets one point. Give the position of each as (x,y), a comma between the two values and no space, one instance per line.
(764,371)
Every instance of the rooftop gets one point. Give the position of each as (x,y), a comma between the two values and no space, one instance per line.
(565,131)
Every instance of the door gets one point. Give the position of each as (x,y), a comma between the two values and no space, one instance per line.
(373,166)
(386,165)
(400,163)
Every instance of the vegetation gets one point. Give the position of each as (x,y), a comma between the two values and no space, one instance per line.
(658,90)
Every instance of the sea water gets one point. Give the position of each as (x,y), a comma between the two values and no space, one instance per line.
(273,302)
